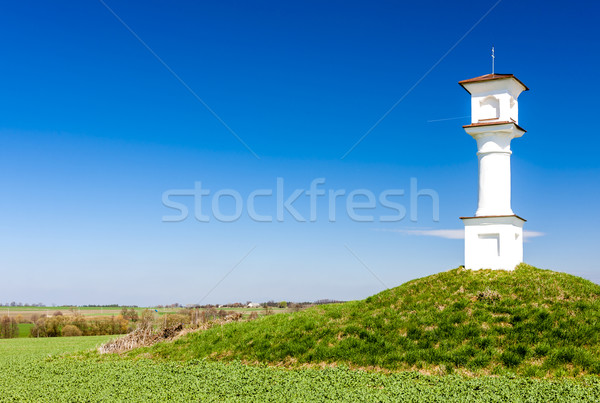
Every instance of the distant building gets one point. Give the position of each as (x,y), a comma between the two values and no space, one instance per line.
(253,305)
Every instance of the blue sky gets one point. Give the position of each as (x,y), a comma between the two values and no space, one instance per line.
(94,129)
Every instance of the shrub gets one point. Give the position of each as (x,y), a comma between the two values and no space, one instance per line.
(147,320)
(130,314)
(173,320)
(71,330)
(8,328)
(55,326)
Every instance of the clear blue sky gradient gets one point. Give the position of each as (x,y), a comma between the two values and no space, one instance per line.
(94,129)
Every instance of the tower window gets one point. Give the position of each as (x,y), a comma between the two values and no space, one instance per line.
(489,108)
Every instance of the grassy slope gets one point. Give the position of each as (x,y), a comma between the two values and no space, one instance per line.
(543,323)
(30,374)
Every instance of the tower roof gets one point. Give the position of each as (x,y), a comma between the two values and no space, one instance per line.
(489,77)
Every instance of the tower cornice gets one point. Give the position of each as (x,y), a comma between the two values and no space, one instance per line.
(484,124)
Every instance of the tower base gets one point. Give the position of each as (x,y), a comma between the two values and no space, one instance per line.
(493,242)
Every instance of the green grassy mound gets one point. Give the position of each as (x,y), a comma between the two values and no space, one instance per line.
(529,321)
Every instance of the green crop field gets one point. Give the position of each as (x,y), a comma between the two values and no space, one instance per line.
(37,370)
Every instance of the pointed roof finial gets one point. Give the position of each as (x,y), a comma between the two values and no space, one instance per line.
(493,59)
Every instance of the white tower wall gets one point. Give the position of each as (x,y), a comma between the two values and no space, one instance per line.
(494,236)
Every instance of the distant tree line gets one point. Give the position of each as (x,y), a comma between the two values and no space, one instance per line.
(108,306)
(13,303)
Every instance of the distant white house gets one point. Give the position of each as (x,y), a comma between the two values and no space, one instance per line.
(253,305)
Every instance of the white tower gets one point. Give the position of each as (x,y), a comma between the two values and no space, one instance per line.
(494,236)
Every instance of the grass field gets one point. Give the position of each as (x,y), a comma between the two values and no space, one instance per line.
(34,370)
(24,329)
